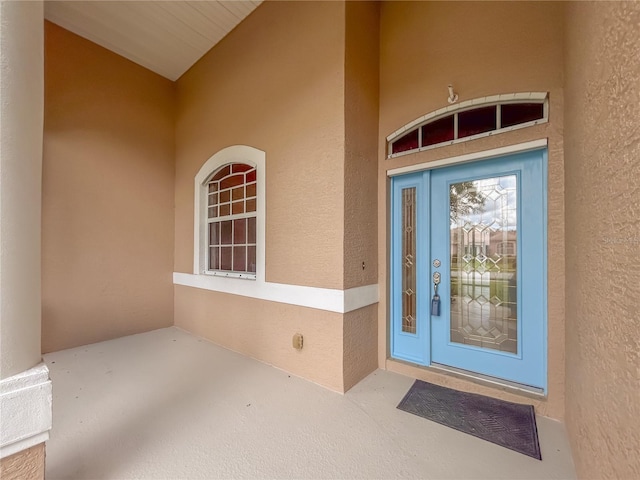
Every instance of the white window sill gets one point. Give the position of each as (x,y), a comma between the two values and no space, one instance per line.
(243,276)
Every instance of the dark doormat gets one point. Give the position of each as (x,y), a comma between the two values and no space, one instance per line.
(510,425)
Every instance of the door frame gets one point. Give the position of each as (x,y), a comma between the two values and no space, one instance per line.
(425,168)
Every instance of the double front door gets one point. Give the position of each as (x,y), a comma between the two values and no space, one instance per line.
(468,264)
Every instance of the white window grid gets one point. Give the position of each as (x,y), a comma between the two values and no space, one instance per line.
(211,205)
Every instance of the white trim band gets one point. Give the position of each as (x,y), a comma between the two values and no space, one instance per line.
(329,299)
(25,410)
(470,157)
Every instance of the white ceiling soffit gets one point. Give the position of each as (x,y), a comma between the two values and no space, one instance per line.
(167,37)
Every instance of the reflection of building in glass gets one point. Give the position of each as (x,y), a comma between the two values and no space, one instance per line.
(491,243)
(484,287)
(483,236)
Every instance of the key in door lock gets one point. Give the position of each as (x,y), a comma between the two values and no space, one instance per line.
(436,278)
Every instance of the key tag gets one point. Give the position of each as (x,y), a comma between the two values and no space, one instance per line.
(435,302)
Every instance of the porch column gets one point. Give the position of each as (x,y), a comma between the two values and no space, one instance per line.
(25,389)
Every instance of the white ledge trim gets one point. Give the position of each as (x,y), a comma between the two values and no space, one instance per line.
(331,300)
(470,157)
(25,410)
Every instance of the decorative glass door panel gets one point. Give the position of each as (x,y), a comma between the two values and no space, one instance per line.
(484,232)
(410,328)
(480,229)
(408,260)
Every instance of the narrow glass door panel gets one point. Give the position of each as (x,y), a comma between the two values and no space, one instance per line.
(483,237)
(408,260)
(410,332)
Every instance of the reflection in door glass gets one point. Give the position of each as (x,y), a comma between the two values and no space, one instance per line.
(409,260)
(483,222)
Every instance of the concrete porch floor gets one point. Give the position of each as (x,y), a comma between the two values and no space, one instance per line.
(166,404)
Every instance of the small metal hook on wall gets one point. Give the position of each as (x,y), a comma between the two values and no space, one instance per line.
(453,97)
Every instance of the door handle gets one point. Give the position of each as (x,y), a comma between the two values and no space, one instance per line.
(435,301)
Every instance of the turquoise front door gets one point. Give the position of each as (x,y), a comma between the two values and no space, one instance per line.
(474,233)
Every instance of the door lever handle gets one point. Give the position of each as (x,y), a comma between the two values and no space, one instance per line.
(435,301)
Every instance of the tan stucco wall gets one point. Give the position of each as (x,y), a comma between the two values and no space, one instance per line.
(264,330)
(280,83)
(360,337)
(275,83)
(483,49)
(25,465)
(603,237)
(360,344)
(108,170)
(361,143)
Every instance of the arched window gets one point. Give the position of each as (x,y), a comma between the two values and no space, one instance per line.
(469,120)
(229,214)
(231,219)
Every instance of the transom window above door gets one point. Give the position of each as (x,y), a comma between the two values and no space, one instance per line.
(469,120)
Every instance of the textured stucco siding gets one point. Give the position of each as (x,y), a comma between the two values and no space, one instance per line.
(360,333)
(360,344)
(107,195)
(285,96)
(264,330)
(603,237)
(25,465)
(306,94)
(361,143)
